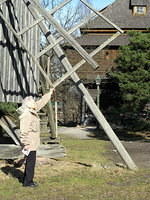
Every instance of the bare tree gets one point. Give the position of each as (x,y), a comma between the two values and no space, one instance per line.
(68,16)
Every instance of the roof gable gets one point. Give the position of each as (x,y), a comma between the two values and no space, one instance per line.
(120,13)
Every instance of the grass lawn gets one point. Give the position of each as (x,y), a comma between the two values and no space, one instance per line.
(79,176)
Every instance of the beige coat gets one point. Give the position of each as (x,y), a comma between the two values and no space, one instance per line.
(30,125)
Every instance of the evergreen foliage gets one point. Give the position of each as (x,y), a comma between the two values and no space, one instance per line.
(8,108)
(133,73)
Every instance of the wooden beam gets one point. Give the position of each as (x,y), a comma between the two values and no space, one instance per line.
(10,151)
(66,35)
(9,131)
(97,113)
(42,18)
(30,54)
(46,49)
(2,1)
(102,16)
(31,26)
(52,11)
(79,64)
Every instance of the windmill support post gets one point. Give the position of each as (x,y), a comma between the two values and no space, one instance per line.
(37,11)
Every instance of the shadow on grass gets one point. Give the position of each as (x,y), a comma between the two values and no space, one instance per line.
(16,173)
(122,134)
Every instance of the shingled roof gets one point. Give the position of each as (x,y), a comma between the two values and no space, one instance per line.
(120,13)
(96,40)
(139,2)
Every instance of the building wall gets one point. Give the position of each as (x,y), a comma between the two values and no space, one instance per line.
(19,76)
(104,58)
(73,107)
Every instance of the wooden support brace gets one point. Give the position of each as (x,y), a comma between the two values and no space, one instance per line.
(46,49)
(30,54)
(65,34)
(52,11)
(102,16)
(102,121)
(8,127)
(31,26)
(79,64)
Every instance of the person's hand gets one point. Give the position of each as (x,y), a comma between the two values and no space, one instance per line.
(51,90)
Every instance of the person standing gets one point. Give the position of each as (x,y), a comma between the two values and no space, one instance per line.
(30,133)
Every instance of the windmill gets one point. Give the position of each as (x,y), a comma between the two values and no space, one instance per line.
(24,31)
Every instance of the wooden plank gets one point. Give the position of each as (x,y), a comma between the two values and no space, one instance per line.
(102,16)
(9,131)
(10,151)
(65,34)
(2,1)
(56,118)
(15,82)
(50,114)
(101,119)
(13,126)
(31,26)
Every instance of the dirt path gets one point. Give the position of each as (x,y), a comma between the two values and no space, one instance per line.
(139,150)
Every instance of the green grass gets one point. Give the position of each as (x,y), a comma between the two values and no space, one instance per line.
(88,151)
(65,179)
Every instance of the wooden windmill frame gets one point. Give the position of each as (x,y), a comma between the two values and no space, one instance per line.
(40,15)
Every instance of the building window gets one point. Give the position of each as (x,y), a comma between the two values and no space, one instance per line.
(139,10)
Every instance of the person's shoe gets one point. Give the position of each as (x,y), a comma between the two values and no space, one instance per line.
(34,184)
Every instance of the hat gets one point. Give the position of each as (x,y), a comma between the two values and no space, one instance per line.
(29,102)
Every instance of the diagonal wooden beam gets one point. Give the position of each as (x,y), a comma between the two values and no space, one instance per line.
(79,64)
(46,49)
(24,46)
(65,34)
(52,11)
(102,16)
(89,100)
(5,124)
(31,26)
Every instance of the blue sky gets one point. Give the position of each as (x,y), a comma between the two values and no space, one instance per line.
(99,4)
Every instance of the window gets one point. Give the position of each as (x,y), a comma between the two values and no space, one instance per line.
(139,10)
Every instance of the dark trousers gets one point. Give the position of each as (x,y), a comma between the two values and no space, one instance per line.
(29,168)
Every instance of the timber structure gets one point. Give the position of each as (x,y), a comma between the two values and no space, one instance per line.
(41,19)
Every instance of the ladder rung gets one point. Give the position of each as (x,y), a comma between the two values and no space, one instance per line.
(2,1)
(31,26)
